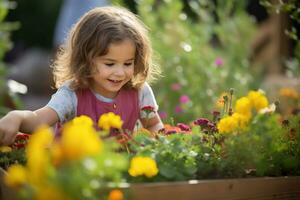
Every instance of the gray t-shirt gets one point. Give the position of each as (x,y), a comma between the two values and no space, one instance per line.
(64,101)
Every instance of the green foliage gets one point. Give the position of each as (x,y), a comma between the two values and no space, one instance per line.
(175,155)
(204,55)
(264,148)
(5,45)
(92,177)
(16,156)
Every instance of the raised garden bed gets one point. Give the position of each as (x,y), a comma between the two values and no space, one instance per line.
(234,189)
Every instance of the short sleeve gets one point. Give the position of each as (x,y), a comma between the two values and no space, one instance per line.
(147,98)
(64,102)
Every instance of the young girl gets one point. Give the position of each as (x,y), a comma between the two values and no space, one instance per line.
(102,68)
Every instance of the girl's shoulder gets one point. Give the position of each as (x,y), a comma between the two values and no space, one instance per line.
(66,86)
(145,88)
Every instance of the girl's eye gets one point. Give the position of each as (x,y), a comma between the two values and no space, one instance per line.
(109,64)
(128,64)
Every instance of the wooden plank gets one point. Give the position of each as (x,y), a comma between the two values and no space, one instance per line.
(226,189)
(283,188)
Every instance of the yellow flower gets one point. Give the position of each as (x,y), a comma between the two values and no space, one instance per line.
(227,124)
(5,149)
(56,154)
(289,92)
(83,120)
(49,193)
(16,176)
(38,154)
(115,195)
(243,106)
(78,141)
(242,120)
(258,100)
(110,120)
(143,166)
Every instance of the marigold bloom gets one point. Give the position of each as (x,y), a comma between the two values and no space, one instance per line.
(243,106)
(227,124)
(168,129)
(258,100)
(143,166)
(83,120)
(56,154)
(37,153)
(242,120)
(50,192)
(110,120)
(289,92)
(115,195)
(78,141)
(16,176)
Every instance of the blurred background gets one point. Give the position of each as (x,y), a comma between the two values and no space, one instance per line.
(204,47)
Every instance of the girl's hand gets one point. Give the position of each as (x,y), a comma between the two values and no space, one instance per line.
(9,127)
(153,124)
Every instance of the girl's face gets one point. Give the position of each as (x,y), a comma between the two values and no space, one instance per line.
(114,69)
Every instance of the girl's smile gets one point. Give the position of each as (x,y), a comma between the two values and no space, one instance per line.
(114,69)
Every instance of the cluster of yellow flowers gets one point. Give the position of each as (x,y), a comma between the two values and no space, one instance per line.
(143,166)
(79,139)
(109,120)
(35,172)
(244,107)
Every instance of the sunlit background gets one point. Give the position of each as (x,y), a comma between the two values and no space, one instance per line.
(203,47)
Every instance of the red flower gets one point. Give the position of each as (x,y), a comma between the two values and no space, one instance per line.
(22,136)
(148,108)
(20,141)
(183,127)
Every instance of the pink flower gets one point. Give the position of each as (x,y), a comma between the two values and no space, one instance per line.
(175,86)
(219,62)
(163,114)
(184,99)
(178,109)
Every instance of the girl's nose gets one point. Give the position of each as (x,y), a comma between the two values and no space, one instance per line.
(120,71)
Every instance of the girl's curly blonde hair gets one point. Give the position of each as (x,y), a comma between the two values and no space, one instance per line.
(91,36)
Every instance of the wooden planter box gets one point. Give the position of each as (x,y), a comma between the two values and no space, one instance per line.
(287,188)
(283,188)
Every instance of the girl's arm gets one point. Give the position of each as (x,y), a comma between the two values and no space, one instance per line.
(24,121)
(153,124)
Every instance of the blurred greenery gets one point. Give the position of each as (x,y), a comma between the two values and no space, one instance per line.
(202,53)
(7,99)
